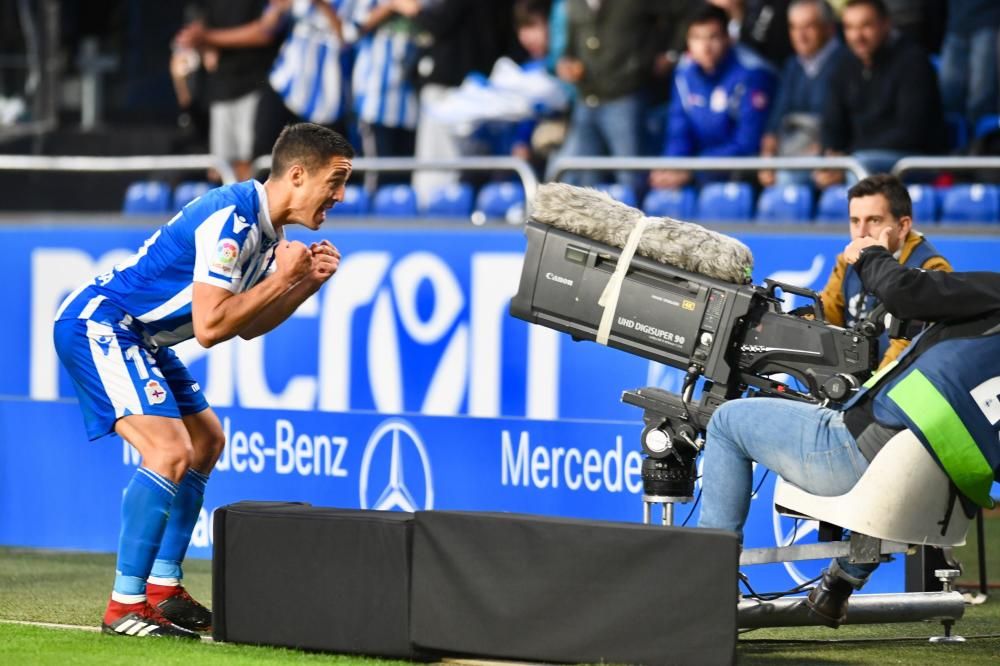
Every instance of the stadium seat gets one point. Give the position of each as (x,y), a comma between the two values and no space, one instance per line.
(785,203)
(147,197)
(725,201)
(501,200)
(676,203)
(395,201)
(958,131)
(971,203)
(832,205)
(618,192)
(188,191)
(926,203)
(454,200)
(355,202)
(986,124)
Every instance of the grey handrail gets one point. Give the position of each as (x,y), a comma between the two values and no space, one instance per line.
(564,164)
(933,163)
(520,167)
(134,163)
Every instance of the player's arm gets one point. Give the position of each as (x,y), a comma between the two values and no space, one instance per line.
(325,261)
(219,314)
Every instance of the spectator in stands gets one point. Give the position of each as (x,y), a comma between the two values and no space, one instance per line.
(922,21)
(233,86)
(883,101)
(531,22)
(385,98)
(764,29)
(610,51)
(877,203)
(462,37)
(720,100)
(794,125)
(969,59)
(306,81)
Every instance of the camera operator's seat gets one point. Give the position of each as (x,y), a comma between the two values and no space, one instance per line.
(903,496)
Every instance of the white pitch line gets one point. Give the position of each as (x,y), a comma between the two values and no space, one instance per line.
(78,627)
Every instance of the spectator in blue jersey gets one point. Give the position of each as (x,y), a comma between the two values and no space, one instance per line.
(220,268)
(720,99)
(883,102)
(306,80)
(969,83)
(385,98)
(794,125)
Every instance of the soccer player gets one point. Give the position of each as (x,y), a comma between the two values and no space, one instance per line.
(220,268)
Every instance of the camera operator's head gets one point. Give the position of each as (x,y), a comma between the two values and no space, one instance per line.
(880,202)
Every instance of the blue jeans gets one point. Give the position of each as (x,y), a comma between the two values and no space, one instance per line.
(610,127)
(806,445)
(968,73)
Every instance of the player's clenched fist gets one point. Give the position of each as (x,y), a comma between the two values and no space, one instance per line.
(325,260)
(294,260)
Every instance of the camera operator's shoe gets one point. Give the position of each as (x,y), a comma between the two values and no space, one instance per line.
(174,602)
(139,621)
(828,600)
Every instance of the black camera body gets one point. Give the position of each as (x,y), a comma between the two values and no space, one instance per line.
(733,336)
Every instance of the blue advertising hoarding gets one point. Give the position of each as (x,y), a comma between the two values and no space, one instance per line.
(402,384)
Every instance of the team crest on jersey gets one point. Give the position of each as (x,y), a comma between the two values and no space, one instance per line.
(155,393)
(226,253)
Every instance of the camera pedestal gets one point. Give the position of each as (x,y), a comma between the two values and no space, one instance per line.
(666,503)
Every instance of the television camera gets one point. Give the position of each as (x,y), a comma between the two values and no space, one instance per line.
(734,338)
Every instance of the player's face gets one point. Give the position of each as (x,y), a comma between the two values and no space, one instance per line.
(707,44)
(871,214)
(321,189)
(864,30)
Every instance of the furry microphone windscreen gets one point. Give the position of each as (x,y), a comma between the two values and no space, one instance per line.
(688,246)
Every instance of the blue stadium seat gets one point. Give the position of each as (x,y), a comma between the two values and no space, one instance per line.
(958,130)
(501,200)
(188,191)
(926,203)
(618,192)
(725,201)
(355,202)
(147,197)
(986,124)
(395,201)
(678,203)
(453,200)
(832,205)
(785,203)
(971,203)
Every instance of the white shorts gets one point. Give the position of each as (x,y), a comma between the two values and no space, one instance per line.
(231,128)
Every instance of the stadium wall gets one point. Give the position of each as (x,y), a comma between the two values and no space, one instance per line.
(407,355)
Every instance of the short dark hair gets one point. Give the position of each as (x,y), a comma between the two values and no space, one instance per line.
(709,13)
(307,144)
(529,12)
(877,5)
(890,187)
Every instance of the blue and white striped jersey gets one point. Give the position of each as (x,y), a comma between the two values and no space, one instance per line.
(307,72)
(383,93)
(224,238)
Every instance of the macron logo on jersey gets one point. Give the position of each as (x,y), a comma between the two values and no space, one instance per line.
(239,223)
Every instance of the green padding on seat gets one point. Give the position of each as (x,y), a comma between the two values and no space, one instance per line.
(947,435)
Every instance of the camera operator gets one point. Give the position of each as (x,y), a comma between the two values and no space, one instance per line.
(944,388)
(878,202)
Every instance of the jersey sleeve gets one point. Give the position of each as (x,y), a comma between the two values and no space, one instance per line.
(220,242)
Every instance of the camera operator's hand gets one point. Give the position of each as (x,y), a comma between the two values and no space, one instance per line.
(853,250)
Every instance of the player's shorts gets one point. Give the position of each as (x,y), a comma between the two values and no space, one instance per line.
(116,373)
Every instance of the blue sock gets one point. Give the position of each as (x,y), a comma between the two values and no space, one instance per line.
(183,517)
(145,507)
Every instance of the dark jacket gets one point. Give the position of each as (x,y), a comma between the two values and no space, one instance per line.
(895,105)
(945,386)
(463,36)
(617,44)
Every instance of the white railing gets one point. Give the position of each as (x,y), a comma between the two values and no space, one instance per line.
(565,164)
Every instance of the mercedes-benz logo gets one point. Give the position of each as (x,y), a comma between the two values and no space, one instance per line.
(395,460)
